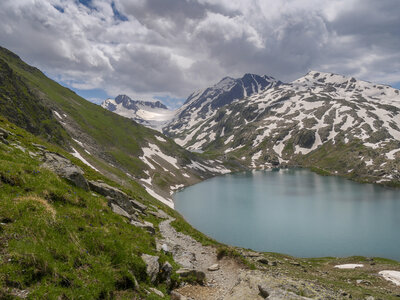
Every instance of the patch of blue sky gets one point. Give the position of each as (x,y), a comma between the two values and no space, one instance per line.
(171,102)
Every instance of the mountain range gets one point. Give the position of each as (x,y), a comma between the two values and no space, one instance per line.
(332,123)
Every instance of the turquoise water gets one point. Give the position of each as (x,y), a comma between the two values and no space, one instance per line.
(296,212)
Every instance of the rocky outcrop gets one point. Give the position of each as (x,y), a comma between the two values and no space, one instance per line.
(117,197)
(152,266)
(63,167)
(4,135)
(165,273)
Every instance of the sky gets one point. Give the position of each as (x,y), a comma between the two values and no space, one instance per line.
(166,49)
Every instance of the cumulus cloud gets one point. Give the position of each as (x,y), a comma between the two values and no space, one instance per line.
(168,48)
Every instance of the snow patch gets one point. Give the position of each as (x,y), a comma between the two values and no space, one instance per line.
(57,114)
(79,156)
(390,154)
(161,139)
(392,276)
(349,266)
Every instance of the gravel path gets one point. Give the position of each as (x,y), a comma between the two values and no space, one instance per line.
(193,255)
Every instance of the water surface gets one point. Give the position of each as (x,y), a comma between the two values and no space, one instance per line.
(297,212)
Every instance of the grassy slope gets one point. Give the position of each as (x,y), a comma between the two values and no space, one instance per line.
(116,137)
(57,239)
(25,109)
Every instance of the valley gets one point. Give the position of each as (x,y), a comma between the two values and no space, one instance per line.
(86,194)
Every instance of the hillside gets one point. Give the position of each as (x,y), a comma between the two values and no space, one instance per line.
(118,147)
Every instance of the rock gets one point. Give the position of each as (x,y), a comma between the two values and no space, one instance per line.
(295,264)
(4,133)
(115,195)
(152,266)
(65,168)
(364,282)
(214,267)
(165,272)
(146,225)
(4,141)
(39,146)
(157,292)
(199,275)
(119,211)
(263,261)
(263,291)
(176,296)
(138,205)
(158,214)
(164,247)
(369,298)
(273,263)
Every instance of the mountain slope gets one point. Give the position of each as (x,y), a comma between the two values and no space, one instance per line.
(202,105)
(117,147)
(328,121)
(24,108)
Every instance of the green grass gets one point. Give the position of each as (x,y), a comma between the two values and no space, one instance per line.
(58,240)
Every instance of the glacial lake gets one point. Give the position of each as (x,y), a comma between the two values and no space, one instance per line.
(296,212)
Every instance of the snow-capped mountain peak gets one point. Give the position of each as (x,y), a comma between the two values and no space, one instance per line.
(153,114)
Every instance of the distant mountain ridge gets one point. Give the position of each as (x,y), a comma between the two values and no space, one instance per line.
(153,114)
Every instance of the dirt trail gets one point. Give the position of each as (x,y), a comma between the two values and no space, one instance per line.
(232,281)
(193,255)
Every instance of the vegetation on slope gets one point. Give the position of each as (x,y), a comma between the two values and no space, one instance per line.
(112,138)
(60,240)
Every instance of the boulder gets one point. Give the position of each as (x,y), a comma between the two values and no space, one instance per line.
(263,291)
(64,168)
(114,195)
(4,133)
(119,211)
(145,225)
(164,248)
(158,214)
(152,266)
(141,207)
(157,292)
(263,261)
(177,296)
(214,267)
(165,272)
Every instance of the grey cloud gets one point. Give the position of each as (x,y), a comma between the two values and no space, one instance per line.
(173,47)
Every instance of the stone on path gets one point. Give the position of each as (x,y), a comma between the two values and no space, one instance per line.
(214,267)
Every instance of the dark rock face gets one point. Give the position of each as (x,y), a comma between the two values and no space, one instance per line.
(64,168)
(305,139)
(133,104)
(229,89)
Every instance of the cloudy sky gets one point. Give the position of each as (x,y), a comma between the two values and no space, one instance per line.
(168,48)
